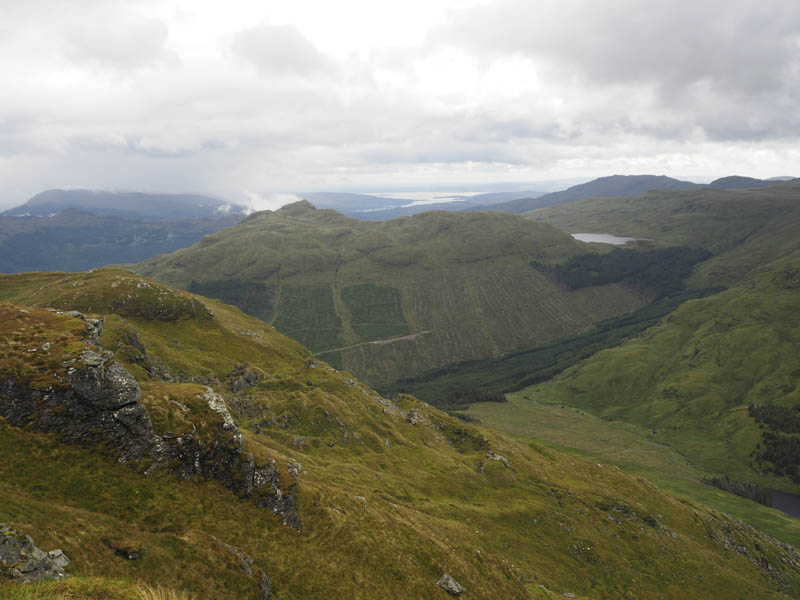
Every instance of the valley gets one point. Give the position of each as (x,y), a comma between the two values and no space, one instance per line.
(590,390)
(222,388)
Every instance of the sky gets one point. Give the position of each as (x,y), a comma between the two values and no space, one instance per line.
(253,101)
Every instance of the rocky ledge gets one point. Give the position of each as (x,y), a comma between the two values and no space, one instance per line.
(22,561)
(97,403)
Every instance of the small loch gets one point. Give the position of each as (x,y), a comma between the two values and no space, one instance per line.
(602,238)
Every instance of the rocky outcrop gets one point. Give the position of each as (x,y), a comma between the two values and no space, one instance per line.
(22,561)
(450,585)
(240,378)
(251,570)
(96,402)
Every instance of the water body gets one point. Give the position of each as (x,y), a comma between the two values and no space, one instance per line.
(603,238)
(785,502)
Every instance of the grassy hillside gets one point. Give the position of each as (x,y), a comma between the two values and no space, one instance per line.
(692,378)
(390,494)
(746,230)
(456,386)
(633,448)
(388,300)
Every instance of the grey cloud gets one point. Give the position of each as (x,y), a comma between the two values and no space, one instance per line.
(738,44)
(279,49)
(701,60)
(132,44)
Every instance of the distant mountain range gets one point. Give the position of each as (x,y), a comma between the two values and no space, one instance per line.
(75,230)
(365,207)
(620,186)
(159,207)
(75,240)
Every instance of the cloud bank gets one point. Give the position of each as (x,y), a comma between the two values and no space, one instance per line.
(238,100)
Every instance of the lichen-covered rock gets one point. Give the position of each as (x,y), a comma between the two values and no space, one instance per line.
(450,585)
(22,561)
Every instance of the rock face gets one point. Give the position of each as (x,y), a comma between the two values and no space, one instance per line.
(98,403)
(22,561)
(450,585)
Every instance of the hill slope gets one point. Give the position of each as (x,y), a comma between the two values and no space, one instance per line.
(737,182)
(745,229)
(692,378)
(603,187)
(386,300)
(389,495)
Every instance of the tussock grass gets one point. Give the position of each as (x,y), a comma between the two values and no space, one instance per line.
(157,592)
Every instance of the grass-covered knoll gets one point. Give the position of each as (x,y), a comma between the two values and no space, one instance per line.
(390,495)
(746,230)
(692,378)
(391,299)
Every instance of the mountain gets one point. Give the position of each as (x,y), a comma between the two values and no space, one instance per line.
(490,198)
(604,187)
(166,443)
(390,299)
(74,240)
(746,230)
(736,182)
(162,207)
(717,380)
(352,203)
(380,208)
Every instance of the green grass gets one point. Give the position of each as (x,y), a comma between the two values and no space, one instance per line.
(630,447)
(386,506)
(691,378)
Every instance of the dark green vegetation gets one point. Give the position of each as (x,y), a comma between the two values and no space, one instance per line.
(780,450)
(74,240)
(692,378)
(456,386)
(252,298)
(151,207)
(391,299)
(390,494)
(747,230)
(745,490)
(657,273)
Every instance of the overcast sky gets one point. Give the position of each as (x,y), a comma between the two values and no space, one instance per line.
(243,99)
